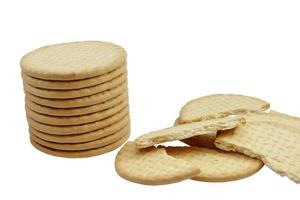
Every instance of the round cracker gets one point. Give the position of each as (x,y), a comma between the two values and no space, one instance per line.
(84,137)
(152,166)
(76,84)
(82,153)
(84,145)
(82,101)
(70,94)
(73,61)
(75,120)
(217,165)
(77,129)
(76,111)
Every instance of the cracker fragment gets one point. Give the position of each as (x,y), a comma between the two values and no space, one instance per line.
(206,140)
(185,131)
(277,145)
(220,105)
(272,116)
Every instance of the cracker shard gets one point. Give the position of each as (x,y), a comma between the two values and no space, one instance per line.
(185,131)
(220,105)
(277,145)
(200,140)
(152,166)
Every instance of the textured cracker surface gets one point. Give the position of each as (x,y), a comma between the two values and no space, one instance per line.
(277,145)
(273,116)
(82,101)
(73,61)
(217,165)
(84,137)
(76,120)
(151,166)
(76,111)
(220,105)
(185,131)
(76,93)
(84,145)
(76,84)
(82,153)
(77,129)
(207,140)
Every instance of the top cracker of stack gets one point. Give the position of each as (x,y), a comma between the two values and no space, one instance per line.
(76,98)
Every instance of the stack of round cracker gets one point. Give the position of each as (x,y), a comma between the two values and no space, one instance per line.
(76,98)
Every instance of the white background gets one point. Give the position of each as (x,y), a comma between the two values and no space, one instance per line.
(177,51)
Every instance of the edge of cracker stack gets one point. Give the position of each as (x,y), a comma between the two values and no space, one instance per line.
(76,98)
